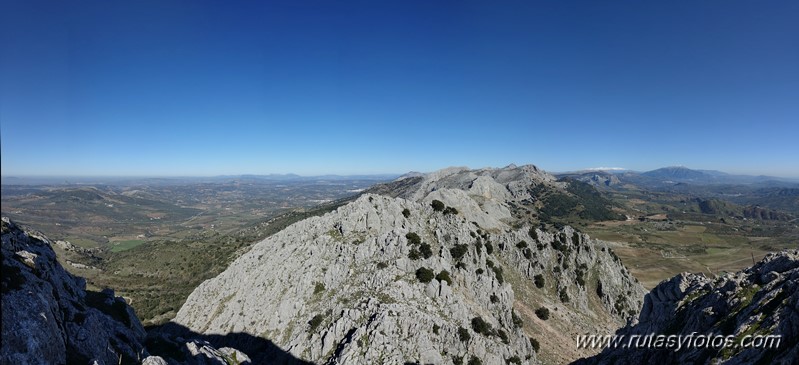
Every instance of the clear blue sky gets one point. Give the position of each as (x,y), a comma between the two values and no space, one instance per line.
(231,87)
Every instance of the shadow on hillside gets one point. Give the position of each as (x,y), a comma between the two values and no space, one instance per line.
(162,341)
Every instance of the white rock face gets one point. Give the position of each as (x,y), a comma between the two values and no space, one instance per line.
(344,288)
(372,308)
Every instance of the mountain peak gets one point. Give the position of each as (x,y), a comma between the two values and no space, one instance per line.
(437,260)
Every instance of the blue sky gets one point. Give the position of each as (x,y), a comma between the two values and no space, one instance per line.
(234,87)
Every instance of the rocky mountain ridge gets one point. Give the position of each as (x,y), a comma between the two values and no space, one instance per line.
(430,272)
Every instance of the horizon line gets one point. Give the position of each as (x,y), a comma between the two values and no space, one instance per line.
(383,174)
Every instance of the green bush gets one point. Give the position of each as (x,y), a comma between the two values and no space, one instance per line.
(533,233)
(564,296)
(503,336)
(444,276)
(436,328)
(457,360)
(514,360)
(463,334)
(413,238)
(406,212)
(494,298)
(458,251)
(475,361)
(538,279)
(318,288)
(489,248)
(426,250)
(450,210)
(479,271)
(424,275)
(517,321)
(535,344)
(482,327)
(521,244)
(542,313)
(437,205)
(498,273)
(315,322)
(414,254)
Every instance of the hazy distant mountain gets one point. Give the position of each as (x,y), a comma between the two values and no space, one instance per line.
(678,173)
(598,178)
(686,175)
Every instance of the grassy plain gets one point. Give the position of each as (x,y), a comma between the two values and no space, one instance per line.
(657,250)
(124,245)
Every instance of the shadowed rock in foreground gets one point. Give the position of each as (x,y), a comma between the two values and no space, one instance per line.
(759,301)
(49,317)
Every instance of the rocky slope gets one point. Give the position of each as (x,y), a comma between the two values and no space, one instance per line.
(444,268)
(48,317)
(761,300)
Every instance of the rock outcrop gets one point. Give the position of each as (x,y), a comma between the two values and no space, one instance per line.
(762,300)
(394,279)
(49,317)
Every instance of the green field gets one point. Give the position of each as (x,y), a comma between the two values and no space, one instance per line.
(654,251)
(81,242)
(119,246)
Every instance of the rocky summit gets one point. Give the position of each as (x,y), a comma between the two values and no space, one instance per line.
(762,300)
(442,268)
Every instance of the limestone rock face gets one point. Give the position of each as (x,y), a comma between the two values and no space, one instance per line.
(760,300)
(388,279)
(49,318)
(342,288)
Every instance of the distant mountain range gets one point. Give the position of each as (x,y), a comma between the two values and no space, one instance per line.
(745,190)
(681,174)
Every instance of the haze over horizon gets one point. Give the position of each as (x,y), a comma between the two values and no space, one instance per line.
(91,178)
(201,88)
